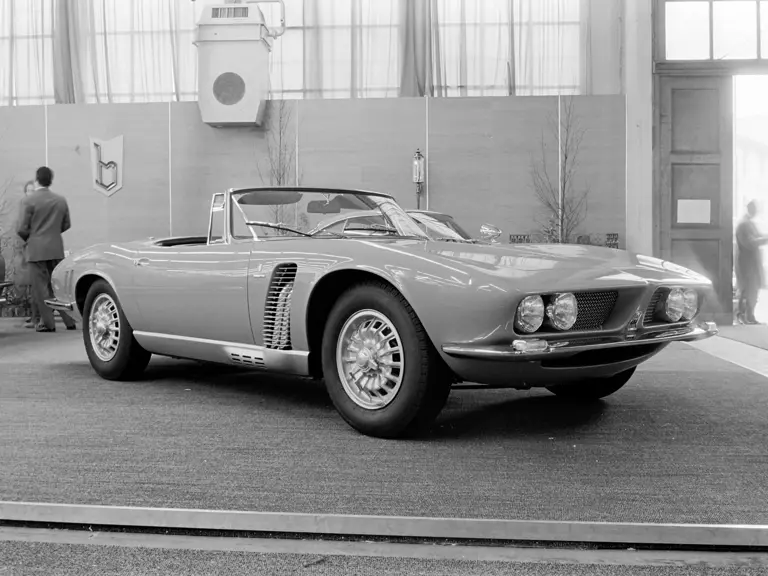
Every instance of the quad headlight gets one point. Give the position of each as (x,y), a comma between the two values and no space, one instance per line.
(691,306)
(530,314)
(674,305)
(562,311)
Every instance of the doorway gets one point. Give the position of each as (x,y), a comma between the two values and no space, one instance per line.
(750,158)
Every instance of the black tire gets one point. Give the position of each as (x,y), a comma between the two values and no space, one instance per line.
(129,359)
(593,389)
(425,380)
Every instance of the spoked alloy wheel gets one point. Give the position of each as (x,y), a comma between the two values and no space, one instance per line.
(381,370)
(108,336)
(370,360)
(104,327)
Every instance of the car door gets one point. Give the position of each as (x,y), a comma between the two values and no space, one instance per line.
(197,291)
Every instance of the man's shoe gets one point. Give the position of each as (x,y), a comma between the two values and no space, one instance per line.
(43,328)
(72,327)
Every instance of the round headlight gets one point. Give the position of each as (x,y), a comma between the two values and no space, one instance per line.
(562,311)
(691,306)
(530,314)
(675,305)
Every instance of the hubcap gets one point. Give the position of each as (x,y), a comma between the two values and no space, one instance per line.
(370,360)
(104,327)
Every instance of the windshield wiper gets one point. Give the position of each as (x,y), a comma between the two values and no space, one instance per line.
(327,232)
(276,226)
(376,227)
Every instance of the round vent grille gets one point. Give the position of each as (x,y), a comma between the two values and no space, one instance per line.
(229,88)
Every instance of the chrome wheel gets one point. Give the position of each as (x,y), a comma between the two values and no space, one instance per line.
(370,359)
(104,327)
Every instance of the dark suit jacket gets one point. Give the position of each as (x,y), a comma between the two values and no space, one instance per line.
(44,217)
(749,260)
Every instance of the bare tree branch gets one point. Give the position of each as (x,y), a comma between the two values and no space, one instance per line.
(563,208)
(281,156)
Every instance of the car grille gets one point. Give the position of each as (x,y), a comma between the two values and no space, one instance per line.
(594,309)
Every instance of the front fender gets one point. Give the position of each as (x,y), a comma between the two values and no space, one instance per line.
(452,304)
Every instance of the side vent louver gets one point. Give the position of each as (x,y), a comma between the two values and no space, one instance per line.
(246,360)
(277,310)
(233,12)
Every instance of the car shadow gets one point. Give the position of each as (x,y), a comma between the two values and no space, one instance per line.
(256,384)
(468,414)
(512,416)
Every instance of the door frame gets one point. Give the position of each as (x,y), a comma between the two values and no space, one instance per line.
(663,229)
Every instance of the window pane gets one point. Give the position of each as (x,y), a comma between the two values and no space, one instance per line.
(735,29)
(337,59)
(30,68)
(287,62)
(336,13)
(379,12)
(496,46)
(378,62)
(547,12)
(30,17)
(187,62)
(114,15)
(686,30)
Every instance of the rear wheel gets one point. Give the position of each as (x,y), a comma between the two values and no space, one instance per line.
(593,389)
(382,373)
(112,350)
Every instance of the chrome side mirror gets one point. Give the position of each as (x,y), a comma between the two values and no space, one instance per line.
(489,232)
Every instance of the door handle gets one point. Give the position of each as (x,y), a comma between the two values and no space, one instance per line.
(141,262)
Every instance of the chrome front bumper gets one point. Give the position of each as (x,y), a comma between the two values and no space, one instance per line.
(538,349)
(59,305)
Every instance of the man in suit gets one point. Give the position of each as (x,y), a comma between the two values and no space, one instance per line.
(44,218)
(750,276)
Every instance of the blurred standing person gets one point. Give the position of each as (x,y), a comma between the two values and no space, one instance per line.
(44,218)
(25,278)
(750,276)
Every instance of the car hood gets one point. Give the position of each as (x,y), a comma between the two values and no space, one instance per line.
(573,265)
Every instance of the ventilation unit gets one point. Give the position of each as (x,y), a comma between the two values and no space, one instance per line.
(277,309)
(233,46)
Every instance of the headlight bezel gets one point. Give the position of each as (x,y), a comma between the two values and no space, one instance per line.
(678,304)
(673,315)
(691,308)
(534,303)
(560,299)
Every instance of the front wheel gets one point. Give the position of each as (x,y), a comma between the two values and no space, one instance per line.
(593,389)
(381,371)
(112,350)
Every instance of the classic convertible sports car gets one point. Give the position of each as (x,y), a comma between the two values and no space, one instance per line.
(390,321)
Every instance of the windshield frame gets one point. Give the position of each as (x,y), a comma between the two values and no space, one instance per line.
(444,219)
(382,204)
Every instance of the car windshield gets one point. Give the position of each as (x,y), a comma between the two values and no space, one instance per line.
(441,227)
(268,213)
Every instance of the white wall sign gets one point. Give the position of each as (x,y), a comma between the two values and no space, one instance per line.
(107,165)
(694,212)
